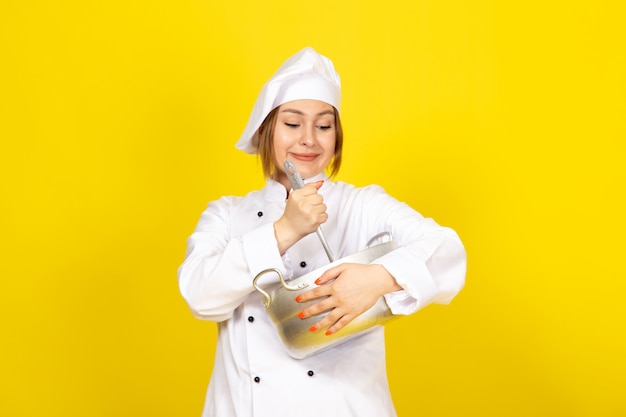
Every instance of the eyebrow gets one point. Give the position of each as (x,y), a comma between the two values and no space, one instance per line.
(295,111)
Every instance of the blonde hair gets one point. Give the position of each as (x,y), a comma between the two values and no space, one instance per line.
(266,145)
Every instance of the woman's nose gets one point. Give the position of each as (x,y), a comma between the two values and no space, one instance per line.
(308,137)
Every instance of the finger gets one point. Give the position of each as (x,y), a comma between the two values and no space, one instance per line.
(318,184)
(330,274)
(301,194)
(315,200)
(312,187)
(315,293)
(327,321)
(339,324)
(322,306)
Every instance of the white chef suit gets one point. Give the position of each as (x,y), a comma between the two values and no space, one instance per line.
(234,241)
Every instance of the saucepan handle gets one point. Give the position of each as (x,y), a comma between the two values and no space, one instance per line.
(268,298)
(381,235)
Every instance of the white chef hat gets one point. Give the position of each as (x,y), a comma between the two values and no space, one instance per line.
(306,75)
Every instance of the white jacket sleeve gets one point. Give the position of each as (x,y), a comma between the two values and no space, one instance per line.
(217,273)
(431,261)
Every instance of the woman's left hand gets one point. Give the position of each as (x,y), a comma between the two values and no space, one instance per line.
(350,290)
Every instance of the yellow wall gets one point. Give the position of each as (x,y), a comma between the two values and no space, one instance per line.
(504,120)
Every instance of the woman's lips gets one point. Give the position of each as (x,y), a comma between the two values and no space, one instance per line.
(305,156)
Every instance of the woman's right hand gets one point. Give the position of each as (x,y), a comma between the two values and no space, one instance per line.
(304,213)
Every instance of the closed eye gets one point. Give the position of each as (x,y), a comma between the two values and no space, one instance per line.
(291,125)
(324,127)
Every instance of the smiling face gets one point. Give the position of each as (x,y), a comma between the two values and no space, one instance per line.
(305,133)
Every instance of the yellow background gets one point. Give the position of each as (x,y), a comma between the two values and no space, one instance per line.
(504,120)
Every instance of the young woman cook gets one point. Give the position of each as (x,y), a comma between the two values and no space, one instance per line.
(296,118)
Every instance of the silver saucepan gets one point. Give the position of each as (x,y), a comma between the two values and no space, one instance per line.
(283,310)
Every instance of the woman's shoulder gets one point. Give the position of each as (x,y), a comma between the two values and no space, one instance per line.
(272,191)
(370,197)
(237,200)
(352,190)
